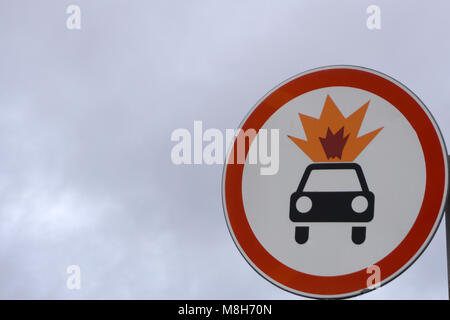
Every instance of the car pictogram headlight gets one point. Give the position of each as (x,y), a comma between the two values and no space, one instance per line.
(303,204)
(360,204)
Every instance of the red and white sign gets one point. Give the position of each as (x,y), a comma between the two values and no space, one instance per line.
(362,181)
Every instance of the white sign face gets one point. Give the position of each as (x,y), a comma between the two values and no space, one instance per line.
(362,181)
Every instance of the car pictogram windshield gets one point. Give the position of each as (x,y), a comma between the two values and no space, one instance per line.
(333,180)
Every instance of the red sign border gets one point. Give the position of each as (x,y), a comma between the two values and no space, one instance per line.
(429,216)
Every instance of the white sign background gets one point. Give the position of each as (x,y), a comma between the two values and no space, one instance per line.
(393,165)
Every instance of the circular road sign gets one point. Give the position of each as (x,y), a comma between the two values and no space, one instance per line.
(357,186)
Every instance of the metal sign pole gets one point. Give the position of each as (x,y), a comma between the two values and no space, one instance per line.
(447,233)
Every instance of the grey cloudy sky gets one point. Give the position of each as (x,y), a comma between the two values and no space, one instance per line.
(86,117)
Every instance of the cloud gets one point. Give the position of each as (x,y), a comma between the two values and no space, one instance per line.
(86,118)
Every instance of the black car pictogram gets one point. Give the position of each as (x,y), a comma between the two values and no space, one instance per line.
(327,203)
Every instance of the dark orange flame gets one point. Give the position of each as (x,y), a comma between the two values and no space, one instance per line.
(321,145)
(333,144)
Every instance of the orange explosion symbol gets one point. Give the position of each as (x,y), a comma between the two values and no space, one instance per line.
(333,137)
